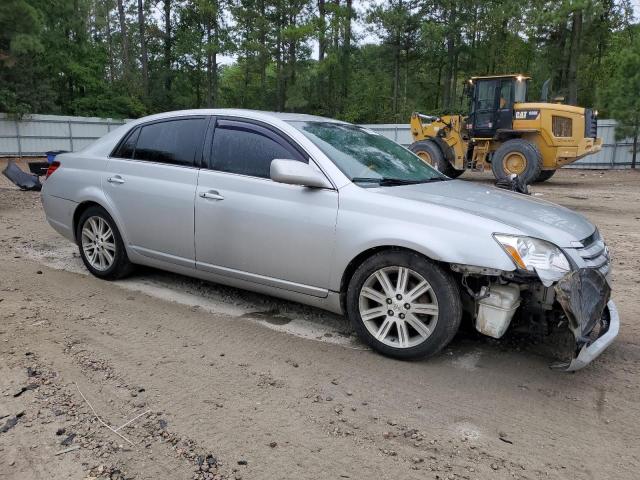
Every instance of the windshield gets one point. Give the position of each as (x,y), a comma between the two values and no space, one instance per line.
(367,157)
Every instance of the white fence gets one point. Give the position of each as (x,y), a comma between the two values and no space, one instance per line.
(36,134)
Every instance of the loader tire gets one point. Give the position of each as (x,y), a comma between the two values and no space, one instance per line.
(431,153)
(545,175)
(517,156)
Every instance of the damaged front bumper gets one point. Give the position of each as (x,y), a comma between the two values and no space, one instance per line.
(592,317)
(590,351)
(574,316)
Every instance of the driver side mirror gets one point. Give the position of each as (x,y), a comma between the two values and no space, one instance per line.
(293,172)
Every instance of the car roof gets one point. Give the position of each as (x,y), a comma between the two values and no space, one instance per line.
(247,113)
(105,144)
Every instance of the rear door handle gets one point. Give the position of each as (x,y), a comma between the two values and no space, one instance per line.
(212,195)
(115,179)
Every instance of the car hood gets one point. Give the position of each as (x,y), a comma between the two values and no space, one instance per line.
(532,216)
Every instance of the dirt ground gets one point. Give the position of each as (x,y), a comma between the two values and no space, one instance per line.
(228,384)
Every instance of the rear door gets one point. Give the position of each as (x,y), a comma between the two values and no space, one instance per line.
(254,229)
(151,183)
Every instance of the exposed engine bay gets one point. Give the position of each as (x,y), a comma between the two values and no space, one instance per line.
(574,314)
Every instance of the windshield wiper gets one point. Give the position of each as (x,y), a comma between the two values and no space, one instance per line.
(389,182)
(436,179)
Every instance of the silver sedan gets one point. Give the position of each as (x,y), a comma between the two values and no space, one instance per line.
(336,216)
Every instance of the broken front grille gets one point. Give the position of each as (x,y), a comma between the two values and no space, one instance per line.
(595,253)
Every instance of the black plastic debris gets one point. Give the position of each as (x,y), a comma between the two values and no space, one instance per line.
(9,424)
(12,422)
(583,294)
(69,440)
(31,386)
(24,180)
(513,183)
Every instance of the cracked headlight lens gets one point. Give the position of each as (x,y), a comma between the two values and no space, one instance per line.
(535,255)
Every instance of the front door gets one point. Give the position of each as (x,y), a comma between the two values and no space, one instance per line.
(504,116)
(150,183)
(484,108)
(254,229)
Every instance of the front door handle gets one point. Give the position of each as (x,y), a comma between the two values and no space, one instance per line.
(212,195)
(115,179)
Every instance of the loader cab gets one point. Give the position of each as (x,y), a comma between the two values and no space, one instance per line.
(492,100)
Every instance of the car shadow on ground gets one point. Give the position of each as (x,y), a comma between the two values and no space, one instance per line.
(316,324)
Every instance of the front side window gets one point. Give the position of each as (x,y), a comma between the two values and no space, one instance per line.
(506,94)
(367,157)
(174,142)
(248,149)
(521,91)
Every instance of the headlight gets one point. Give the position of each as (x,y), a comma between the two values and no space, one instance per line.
(534,255)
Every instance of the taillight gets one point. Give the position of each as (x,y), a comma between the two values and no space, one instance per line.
(53,166)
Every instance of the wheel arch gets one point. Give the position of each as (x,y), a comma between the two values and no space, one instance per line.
(86,203)
(80,209)
(356,261)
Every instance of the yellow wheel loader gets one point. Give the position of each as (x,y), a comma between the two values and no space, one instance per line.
(506,133)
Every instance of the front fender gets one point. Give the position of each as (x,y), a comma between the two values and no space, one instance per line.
(366,222)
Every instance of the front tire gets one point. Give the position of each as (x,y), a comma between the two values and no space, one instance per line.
(517,156)
(431,154)
(101,246)
(403,305)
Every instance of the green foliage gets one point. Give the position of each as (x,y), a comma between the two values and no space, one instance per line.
(621,91)
(373,62)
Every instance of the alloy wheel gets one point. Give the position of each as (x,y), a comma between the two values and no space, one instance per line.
(98,243)
(398,307)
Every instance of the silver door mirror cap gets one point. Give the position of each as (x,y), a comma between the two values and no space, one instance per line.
(294,172)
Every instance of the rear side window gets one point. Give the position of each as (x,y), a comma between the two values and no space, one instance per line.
(248,149)
(126,148)
(175,142)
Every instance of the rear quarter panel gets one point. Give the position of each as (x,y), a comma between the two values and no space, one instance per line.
(77,180)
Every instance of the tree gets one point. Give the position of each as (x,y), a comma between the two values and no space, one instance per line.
(20,38)
(620,94)
(144,56)
(397,20)
(168,40)
(124,35)
(127,58)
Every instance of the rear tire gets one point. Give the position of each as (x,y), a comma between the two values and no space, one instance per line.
(545,175)
(517,156)
(101,246)
(431,153)
(402,305)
